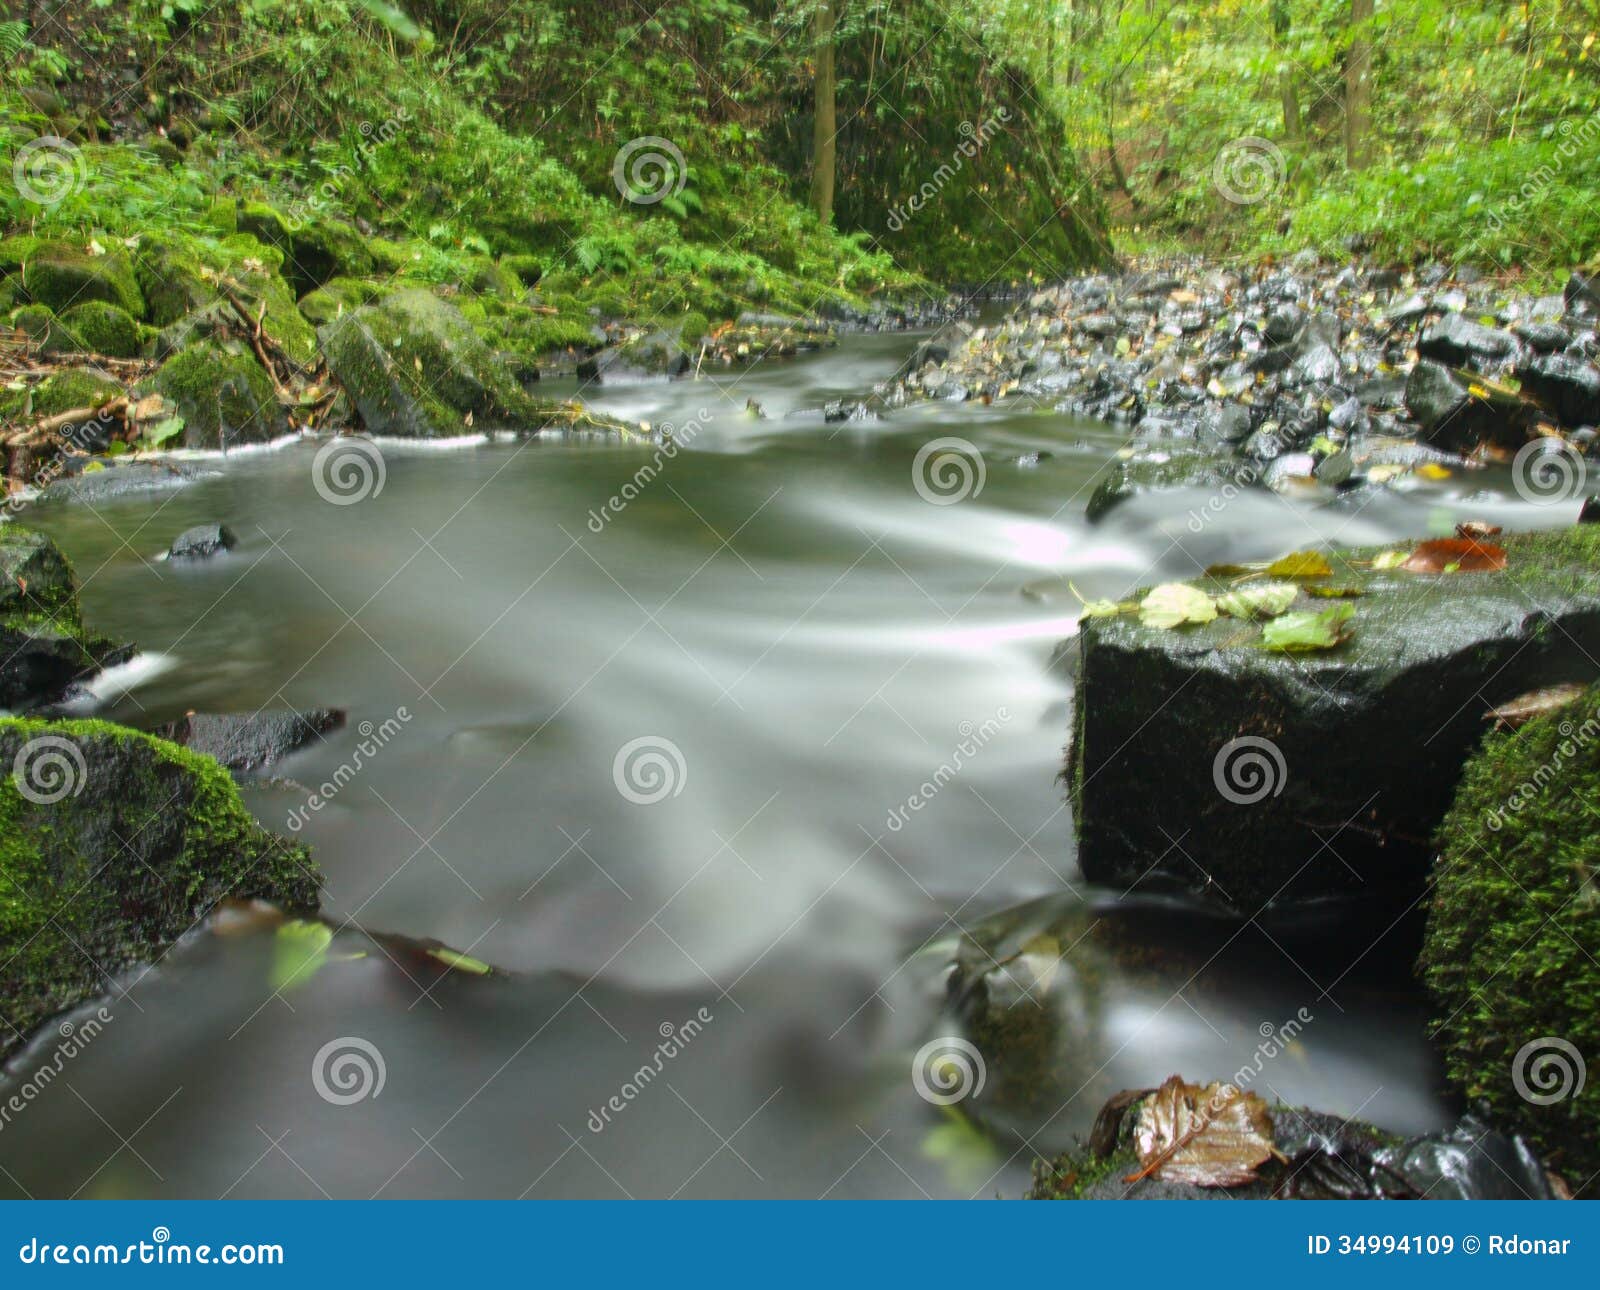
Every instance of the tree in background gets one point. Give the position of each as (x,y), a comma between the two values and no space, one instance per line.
(825,127)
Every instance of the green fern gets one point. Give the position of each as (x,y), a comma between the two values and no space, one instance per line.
(13,39)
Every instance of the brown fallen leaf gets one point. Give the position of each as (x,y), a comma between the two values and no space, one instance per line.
(1535,703)
(1108,1124)
(1214,1136)
(1476,529)
(1456,555)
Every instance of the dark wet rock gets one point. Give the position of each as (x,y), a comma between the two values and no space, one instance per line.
(1542,337)
(1228,423)
(112,845)
(1165,471)
(44,648)
(1460,342)
(250,741)
(1318,365)
(1568,387)
(1099,325)
(936,349)
(653,355)
(1324,1157)
(1582,293)
(201,542)
(855,410)
(1410,310)
(1357,749)
(1452,416)
(1283,324)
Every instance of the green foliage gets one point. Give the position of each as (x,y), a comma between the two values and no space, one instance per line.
(1513,933)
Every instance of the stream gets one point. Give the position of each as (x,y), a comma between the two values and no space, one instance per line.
(668,765)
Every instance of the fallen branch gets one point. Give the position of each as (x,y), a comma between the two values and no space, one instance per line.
(40,430)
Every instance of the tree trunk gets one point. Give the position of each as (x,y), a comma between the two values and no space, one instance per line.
(1358,86)
(825,126)
(1286,87)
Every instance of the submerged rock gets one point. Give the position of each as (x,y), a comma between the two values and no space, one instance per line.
(202,542)
(1203,763)
(44,648)
(112,845)
(1165,471)
(250,741)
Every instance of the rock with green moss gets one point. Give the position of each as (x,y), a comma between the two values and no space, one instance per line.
(95,327)
(114,844)
(61,276)
(337,296)
(1206,763)
(527,268)
(1512,949)
(37,322)
(44,648)
(182,276)
(223,395)
(415,367)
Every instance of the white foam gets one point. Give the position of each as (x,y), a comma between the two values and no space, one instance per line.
(117,680)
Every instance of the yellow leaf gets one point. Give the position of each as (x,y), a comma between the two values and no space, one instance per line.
(1300,564)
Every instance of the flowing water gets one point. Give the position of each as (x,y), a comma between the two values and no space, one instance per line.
(718,776)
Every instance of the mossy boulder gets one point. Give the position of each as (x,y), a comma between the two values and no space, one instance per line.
(1203,763)
(337,296)
(223,395)
(324,249)
(415,367)
(182,276)
(1512,950)
(37,322)
(44,647)
(113,844)
(61,391)
(96,327)
(61,276)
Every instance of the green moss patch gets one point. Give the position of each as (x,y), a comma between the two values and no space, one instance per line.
(223,395)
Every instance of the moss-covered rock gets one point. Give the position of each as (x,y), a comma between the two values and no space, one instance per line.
(1512,952)
(96,327)
(337,296)
(43,645)
(61,391)
(1204,763)
(184,275)
(61,276)
(527,268)
(35,321)
(415,367)
(223,395)
(113,844)
(264,222)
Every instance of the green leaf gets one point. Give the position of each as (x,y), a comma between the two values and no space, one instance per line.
(298,953)
(159,433)
(1388,559)
(1174,603)
(1258,600)
(1308,631)
(1300,564)
(459,962)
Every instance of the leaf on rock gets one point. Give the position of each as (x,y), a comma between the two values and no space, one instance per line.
(1535,703)
(1388,559)
(1258,600)
(1335,593)
(298,953)
(1214,1136)
(1310,630)
(1301,564)
(1455,555)
(1174,603)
